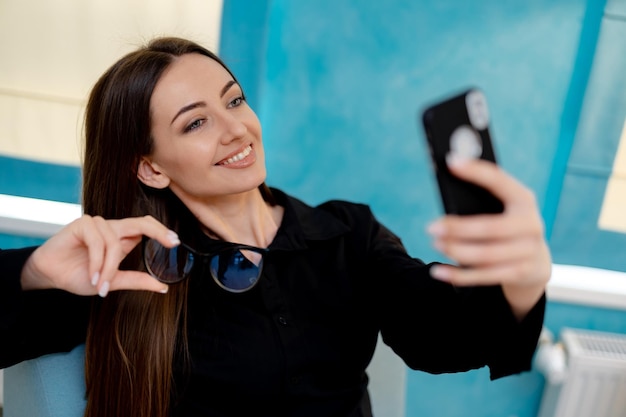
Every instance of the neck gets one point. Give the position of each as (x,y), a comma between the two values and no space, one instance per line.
(241,218)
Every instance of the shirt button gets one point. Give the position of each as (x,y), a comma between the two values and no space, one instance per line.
(282,320)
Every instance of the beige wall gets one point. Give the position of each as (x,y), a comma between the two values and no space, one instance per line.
(52,52)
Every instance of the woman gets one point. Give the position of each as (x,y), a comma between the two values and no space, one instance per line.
(286,321)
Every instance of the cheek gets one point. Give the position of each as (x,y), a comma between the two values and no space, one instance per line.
(189,170)
(187,154)
(254,126)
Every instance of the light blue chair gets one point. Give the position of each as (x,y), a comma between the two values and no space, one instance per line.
(49,386)
(54,385)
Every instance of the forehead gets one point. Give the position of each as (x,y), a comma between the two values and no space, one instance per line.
(189,77)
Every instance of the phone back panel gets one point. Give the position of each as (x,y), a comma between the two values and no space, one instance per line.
(443,122)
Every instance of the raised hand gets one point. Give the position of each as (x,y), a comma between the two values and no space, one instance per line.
(507,249)
(84,256)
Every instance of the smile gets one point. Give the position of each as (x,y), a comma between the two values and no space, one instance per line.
(238,157)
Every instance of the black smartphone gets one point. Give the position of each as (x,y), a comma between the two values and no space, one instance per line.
(460,124)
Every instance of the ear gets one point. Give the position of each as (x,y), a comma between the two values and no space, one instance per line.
(149,173)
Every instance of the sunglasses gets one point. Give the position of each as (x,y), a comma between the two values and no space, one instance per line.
(234,267)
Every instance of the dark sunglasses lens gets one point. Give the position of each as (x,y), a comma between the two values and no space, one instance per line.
(167,265)
(237,270)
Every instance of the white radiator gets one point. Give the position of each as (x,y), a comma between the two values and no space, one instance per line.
(591,382)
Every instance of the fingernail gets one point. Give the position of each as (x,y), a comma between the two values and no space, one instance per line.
(164,290)
(104,289)
(456,160)
(439,273)
(94,278)
(173,237)
(436,229)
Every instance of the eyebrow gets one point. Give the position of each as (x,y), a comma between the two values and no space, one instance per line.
(187,108)
(197,104)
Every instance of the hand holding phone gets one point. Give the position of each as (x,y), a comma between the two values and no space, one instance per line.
(460,125)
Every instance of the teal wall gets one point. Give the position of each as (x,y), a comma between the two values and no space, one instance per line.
(39,180)
(342,82)
(594,144)
(36,180)
(338,90)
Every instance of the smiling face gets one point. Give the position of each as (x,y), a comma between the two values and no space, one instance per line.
(207,140)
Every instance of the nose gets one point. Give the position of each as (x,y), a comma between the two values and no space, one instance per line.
(233,127)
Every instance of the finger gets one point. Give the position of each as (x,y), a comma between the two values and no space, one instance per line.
(471,253)
(113,254)
(129,230)
(86,231)
(492,275)
(490,176)
(136,280)
(487,226)
(148,226)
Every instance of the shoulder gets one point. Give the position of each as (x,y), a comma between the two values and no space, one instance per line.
(330,218)
(348,213)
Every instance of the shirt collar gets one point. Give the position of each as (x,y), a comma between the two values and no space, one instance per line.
(302,223)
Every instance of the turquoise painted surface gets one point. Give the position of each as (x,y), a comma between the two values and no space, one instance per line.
(572,107)
(342,93)
(604,109)
(26,178)
(469,395)
(616,8)
(343,84)
(243,43)
(36,180)
(12,241)
(576,238)
(560,315)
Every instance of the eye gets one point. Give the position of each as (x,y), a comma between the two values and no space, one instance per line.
(236,102)
(194,125)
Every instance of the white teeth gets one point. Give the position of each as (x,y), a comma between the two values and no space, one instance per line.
(239,156)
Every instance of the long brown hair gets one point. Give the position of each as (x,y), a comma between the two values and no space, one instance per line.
(133,336)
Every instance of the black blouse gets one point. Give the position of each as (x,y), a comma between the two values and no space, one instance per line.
(299,342)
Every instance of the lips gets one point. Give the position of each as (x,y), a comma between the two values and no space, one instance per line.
(236,157)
